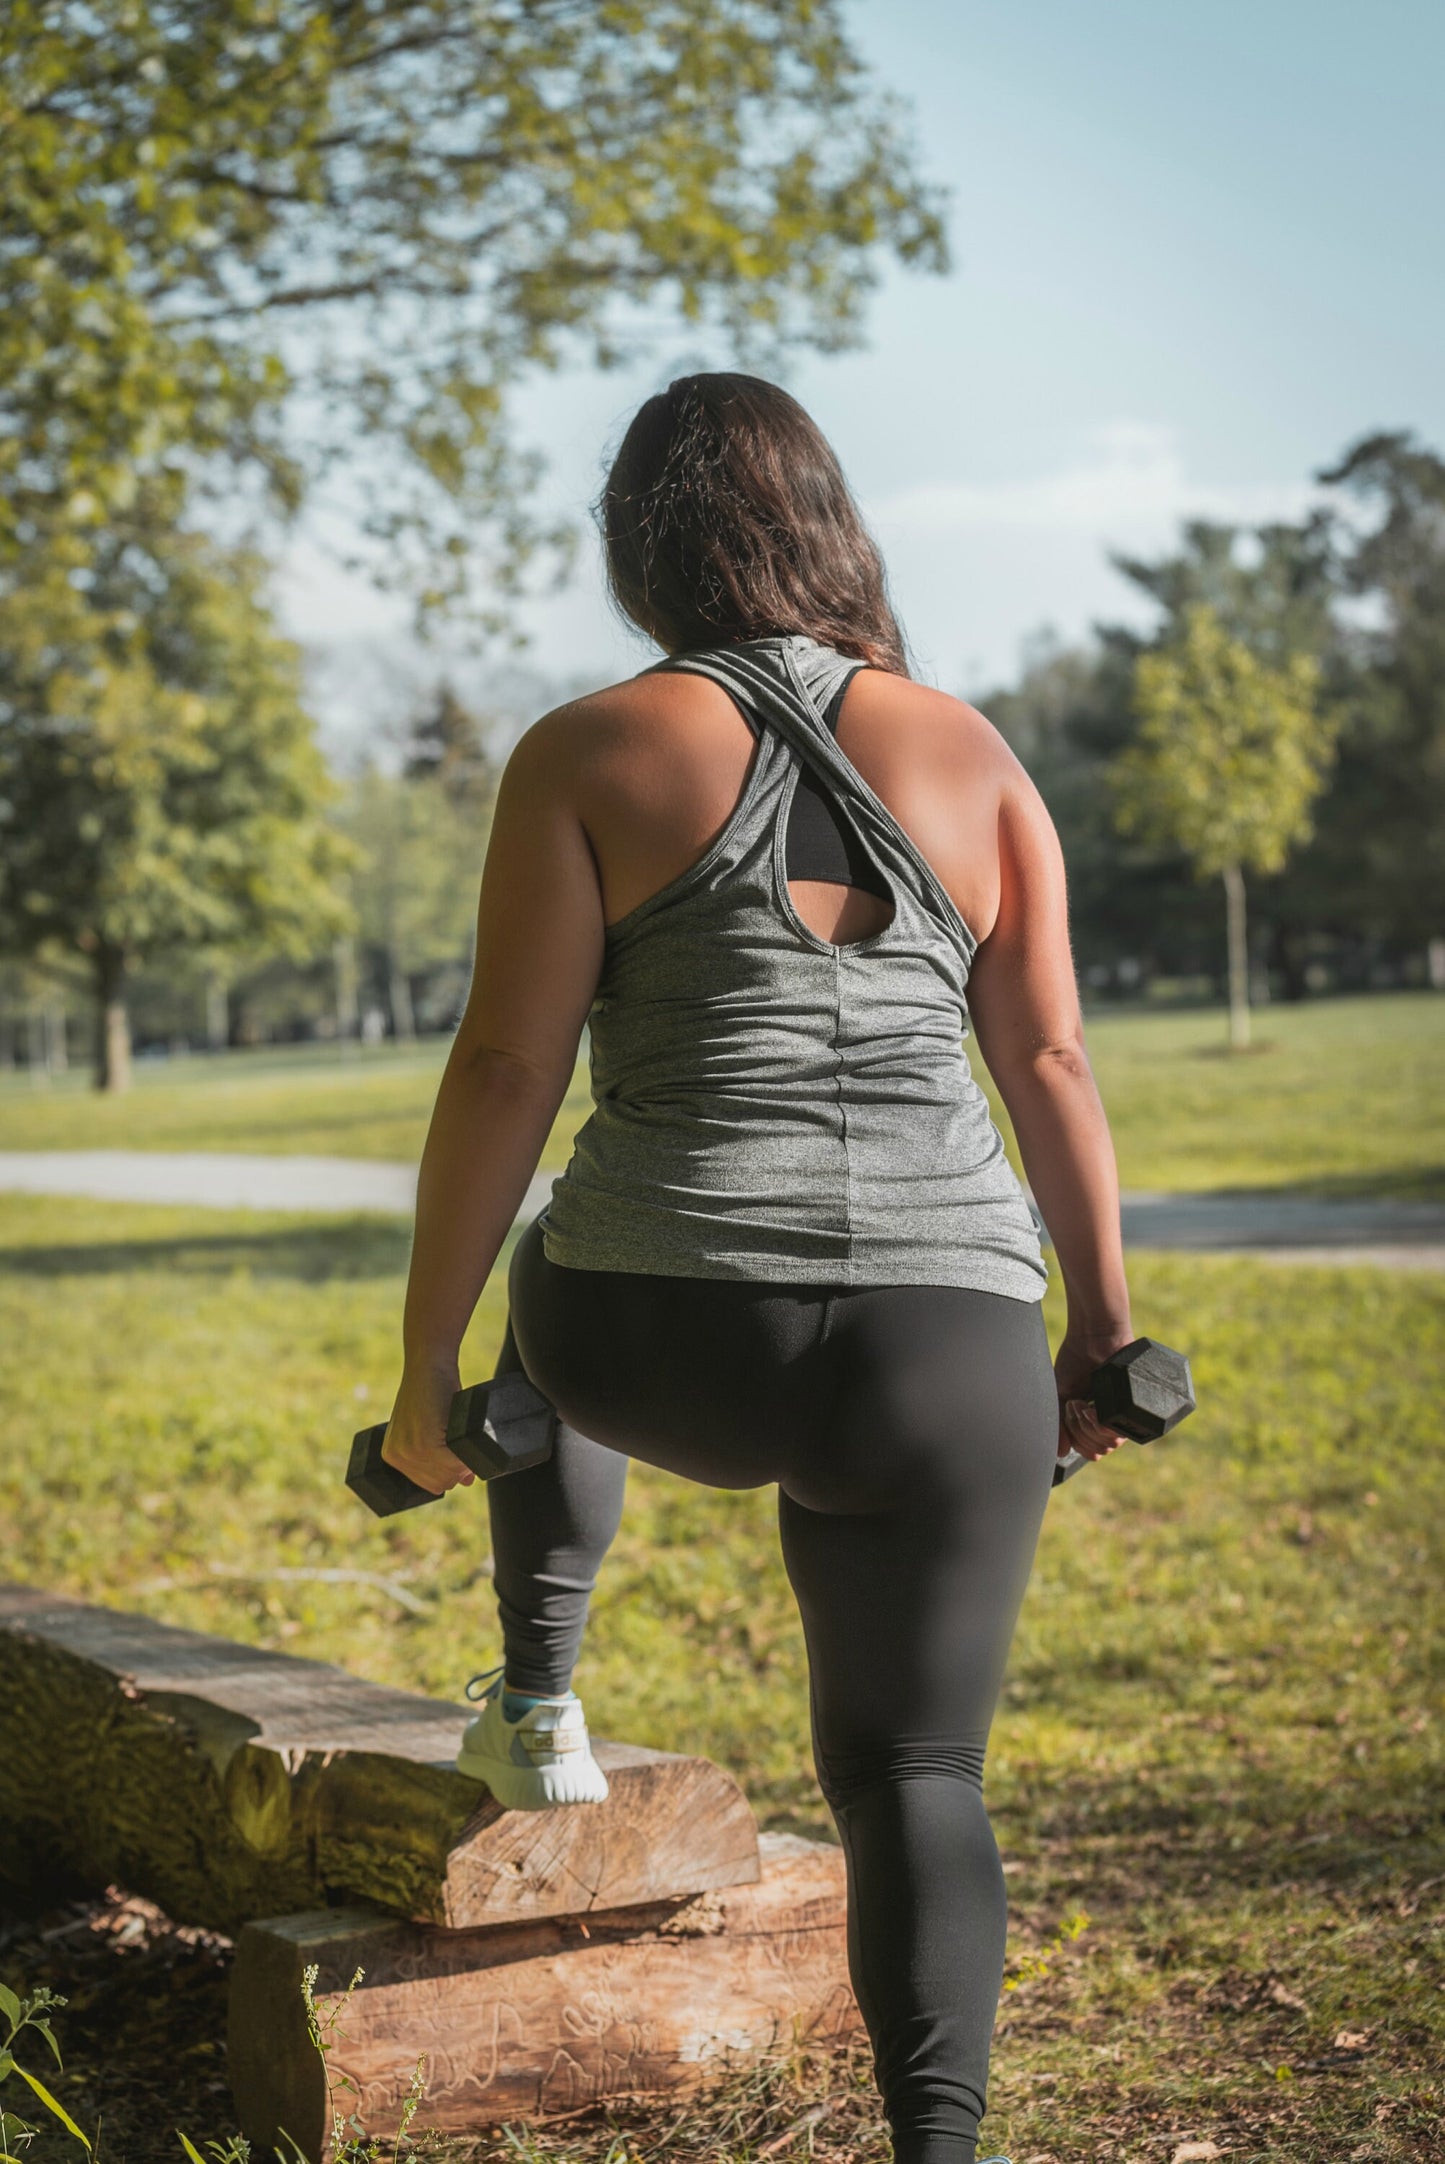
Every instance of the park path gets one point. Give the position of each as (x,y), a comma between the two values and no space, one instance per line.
(1270,1226)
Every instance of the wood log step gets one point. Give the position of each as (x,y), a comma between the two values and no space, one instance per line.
(225,1783)
(529,2021)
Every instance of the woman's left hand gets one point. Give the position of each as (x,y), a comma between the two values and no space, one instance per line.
(1080,1427)
(416,1432)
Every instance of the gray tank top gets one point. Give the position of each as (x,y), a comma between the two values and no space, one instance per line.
(770,1106)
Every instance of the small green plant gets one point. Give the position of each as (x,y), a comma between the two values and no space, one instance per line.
(235,2150)
(21,2016)
(350,2142)
(1033,1968)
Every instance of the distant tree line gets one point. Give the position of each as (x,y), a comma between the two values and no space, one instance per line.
(335,906)
(175,849)
(1349,607)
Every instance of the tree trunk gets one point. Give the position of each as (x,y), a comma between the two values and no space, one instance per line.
(403,1018)
(348,1004)
(227,1783)
(1287,959)
(218,1013)
(112,1023)
(538,2019)
(57,1050)
(1238,959)
(35,1046)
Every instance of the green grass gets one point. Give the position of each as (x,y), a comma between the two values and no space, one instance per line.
(1343,1096)
(1219,1737)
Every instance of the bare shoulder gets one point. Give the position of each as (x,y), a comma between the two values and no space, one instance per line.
(893,718)
(615,738)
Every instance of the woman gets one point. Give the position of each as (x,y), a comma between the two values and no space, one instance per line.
(788,1246)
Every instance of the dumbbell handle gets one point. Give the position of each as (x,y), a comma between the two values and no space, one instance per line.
(496,1427)
(1102,1388)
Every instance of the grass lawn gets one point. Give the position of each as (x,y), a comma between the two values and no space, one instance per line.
(1342,1096)
(1216,1772)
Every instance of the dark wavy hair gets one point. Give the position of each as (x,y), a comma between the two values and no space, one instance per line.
(726,516)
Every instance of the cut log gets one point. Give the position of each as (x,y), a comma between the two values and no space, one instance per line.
(225,1783)
(531,2021)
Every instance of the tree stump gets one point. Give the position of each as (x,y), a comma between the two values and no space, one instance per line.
(226,1783)
(525,2022)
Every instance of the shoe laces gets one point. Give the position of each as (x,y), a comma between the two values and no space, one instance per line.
(487,1678)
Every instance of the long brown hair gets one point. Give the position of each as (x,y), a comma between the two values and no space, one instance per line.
(726,516)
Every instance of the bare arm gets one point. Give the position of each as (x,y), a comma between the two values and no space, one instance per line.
(1025,1006)
(539,954)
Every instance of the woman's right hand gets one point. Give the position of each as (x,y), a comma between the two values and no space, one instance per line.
(1080,1427)
(416,1432)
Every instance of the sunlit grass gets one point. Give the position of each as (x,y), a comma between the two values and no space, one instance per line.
(1342,1095)
(1219,1739)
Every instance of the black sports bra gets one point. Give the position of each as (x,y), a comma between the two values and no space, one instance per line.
(820,843)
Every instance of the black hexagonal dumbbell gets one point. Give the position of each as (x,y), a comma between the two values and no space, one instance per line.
(498,1427)
(1143,1390)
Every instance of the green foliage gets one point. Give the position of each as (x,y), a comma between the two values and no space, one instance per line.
(1390,802)
(445,194)
(420,845)
(1371,874)
(350,2143)
(1276,600)
(234,2150)
(446,743)
(160,785)
(1230,754)
(30,2014)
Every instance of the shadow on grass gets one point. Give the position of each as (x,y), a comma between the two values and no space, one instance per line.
(311,1252)
(1404,1183)
(1265,1834)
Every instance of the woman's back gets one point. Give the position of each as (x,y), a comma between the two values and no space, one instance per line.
(771,1102)
(658,763)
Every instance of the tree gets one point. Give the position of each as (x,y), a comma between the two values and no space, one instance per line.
(160,785)
(259,234)
(1229,758)
(446,743)
(420,861)
(1396,805)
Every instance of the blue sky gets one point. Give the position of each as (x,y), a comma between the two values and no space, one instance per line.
(1196,252)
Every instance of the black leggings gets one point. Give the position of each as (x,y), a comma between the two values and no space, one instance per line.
(911,1431)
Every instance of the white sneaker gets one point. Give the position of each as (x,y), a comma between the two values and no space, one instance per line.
(530,1764)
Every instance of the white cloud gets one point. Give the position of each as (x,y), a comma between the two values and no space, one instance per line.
(1128,481)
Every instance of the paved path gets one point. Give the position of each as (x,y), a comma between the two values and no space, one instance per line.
(1272,1227)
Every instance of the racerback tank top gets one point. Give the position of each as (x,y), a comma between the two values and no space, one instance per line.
(768,1105)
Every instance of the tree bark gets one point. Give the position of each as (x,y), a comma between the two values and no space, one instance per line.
(348,999)
(57,1050)
(534,2020)
(226,1783)
(1238,958)
(1287,959)
(403,1018)
(218,1013)
(36,1033)
(112,1022)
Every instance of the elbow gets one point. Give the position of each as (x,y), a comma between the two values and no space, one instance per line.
(1056,1063)
(515,1077)
(1063,1059)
